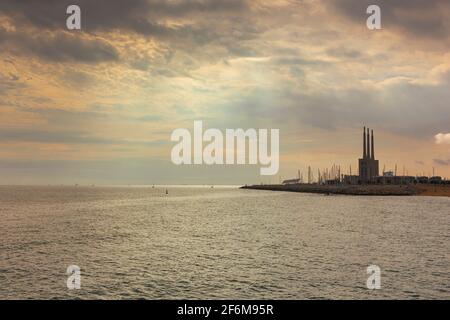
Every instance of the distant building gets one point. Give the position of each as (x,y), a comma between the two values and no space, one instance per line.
(422,179)
(388,174)
(391,179)
(351,179)
(435,180)
(368,171)
(368,166)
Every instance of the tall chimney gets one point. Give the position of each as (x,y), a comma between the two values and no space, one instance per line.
(368,143)
(373,148)
(364,144)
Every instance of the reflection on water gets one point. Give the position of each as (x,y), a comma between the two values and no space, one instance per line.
(200,243)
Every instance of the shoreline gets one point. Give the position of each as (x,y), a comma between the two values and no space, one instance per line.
(360,190)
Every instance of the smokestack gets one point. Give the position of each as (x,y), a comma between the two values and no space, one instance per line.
(373,148)
(364,144)
(368,143)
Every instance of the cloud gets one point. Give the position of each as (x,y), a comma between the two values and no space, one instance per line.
(10,82)
(345,53)
(416,18)
(401,108)
(68,137)
(298,61)
(58,47)
(141,16)
(13,135)
(140,68)
(442,138)
(185,26)
(442,162)
(78,79)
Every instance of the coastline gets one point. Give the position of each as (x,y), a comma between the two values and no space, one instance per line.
(360,190)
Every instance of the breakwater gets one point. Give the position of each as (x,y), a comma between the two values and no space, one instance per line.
(363,190)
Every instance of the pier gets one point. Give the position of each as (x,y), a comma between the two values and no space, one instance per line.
(359,190)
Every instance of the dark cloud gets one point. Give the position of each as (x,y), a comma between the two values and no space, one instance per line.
(418,18)
(10,81)
(406,109)
(58,47)
(78,79)
(442,162)
(139,16)
(345,53)
(184,25)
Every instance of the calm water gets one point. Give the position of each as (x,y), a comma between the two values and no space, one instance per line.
(137,242)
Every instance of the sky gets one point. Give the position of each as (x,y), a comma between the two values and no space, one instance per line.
(98,105)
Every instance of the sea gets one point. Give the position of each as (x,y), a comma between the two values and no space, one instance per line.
(221,242)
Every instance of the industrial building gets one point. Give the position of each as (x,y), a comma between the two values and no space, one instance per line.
(368,166)
(368,171)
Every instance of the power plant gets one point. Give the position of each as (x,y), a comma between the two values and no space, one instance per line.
(368,171)
(368,166)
